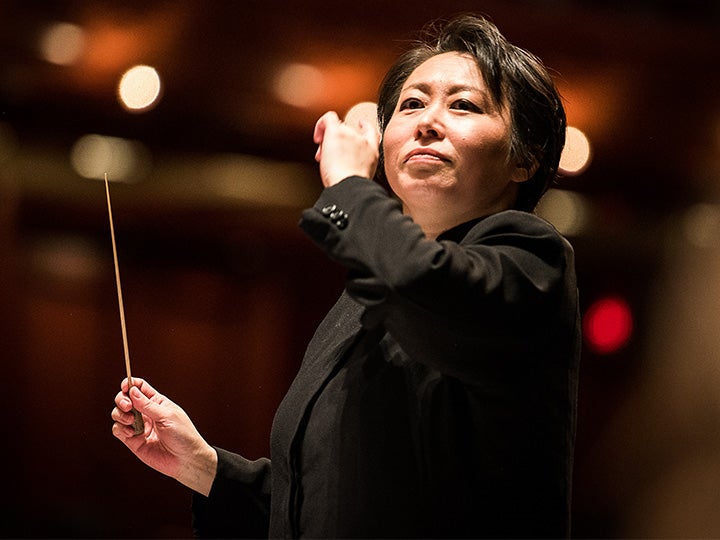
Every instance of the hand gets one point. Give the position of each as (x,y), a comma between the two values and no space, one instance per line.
(345,150)
(170,443)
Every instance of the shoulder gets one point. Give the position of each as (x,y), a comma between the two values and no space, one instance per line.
(516,220)
(518,234)
(515,224)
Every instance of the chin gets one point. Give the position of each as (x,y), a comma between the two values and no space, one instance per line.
(429,183)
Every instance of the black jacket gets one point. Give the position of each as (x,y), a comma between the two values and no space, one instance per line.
(438,396)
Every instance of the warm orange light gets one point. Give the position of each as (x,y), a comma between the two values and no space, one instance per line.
(115,38)
(326,84)
(596,99)
(300,85)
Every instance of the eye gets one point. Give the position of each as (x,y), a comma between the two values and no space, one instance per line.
(466,105)
(411,103)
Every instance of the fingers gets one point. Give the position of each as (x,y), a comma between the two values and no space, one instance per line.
(123,428)
(156,407)
(142,402)
(362,114)
(144,388)
(138,397)
(140,383)
(122,402)
(126,434)
(370,132)
(122,432)
(122,418)
(346,149)
(329,119)
(363,118)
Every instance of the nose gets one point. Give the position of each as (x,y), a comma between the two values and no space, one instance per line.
(429,124)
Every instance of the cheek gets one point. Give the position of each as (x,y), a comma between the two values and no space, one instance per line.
(390,162)
(391,149)
(489,153)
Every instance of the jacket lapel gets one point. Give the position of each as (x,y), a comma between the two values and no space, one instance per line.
(335,335)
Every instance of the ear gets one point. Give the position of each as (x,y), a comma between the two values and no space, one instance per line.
(523,172)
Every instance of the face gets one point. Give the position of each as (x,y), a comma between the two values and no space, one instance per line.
(446,145)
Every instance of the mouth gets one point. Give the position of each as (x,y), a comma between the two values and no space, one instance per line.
(425,154)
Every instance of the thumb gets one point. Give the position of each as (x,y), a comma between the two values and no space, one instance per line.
(144,404)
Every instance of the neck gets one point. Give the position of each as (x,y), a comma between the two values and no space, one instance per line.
(434,222)
(436,211)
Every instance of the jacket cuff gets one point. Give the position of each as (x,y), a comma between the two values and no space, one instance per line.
(238,504)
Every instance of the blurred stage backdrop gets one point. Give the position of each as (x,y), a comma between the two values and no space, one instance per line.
(202,112)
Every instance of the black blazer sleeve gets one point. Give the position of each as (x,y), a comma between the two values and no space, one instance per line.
(507,283)
(238,505)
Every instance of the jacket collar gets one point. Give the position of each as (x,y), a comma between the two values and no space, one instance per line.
(457,233)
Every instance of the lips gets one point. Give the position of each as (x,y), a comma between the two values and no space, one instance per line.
(423,154)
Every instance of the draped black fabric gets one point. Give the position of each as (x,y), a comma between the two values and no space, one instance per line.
(438,396)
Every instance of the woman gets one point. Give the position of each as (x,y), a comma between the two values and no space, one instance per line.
(437,398)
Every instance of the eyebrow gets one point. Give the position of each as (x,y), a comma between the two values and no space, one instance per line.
(485,96)
(455,89)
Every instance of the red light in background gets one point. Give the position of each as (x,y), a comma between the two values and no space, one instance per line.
(608,324)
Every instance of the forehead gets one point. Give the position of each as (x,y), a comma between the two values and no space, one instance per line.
(447,70)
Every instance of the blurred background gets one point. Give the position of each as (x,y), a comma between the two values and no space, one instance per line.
(202,112)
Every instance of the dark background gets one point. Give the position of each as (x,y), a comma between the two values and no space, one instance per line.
(222,292)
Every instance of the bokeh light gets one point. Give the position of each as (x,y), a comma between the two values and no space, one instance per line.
(139,88)
(577,153)
(701,225)
(123,160)
(62,43)
(608,324)
(568,211)
(299,85)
